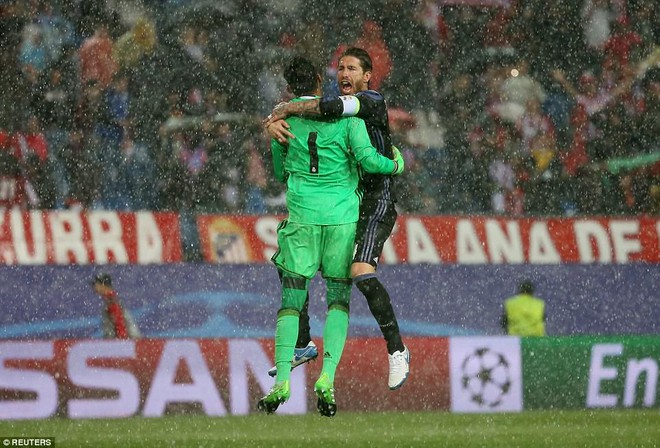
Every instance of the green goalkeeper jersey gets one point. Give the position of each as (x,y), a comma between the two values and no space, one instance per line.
(320,168)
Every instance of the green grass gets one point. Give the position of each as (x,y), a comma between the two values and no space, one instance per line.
(621,428)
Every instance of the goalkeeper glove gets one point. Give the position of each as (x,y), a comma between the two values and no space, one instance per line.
(399,164)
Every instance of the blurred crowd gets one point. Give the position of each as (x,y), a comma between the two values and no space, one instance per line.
(518,107)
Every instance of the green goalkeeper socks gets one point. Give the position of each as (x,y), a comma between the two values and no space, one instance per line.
(286,334)
(294,292)
(334,339)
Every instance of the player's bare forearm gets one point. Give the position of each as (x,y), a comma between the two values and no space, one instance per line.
(307,107)
(283,110)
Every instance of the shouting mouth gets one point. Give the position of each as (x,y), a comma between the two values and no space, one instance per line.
(346,87)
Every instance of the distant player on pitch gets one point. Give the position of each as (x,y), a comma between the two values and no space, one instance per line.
(117,321)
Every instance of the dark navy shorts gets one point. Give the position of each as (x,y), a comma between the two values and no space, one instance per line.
(377,219)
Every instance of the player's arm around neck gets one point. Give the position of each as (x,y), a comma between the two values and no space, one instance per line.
(333,107)
(277,128)
(297,108)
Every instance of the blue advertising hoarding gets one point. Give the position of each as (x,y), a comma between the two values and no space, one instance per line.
(240,301)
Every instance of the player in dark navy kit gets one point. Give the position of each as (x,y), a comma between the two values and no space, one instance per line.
(377,208)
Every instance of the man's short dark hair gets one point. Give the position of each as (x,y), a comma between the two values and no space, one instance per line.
(526,287)
(102,279)
(361,55)
(302,76)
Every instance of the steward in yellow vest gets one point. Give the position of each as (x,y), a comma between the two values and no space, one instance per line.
(524,314)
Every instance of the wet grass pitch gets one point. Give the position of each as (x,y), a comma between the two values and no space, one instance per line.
(574,428)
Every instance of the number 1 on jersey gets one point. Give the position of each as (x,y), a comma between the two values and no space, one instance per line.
(313,153)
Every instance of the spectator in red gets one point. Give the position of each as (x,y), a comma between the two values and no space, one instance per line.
(32,149)
(591,97)
(96,59)
(117,321)
(372,41)
(32,141)
(622,42)
(503,31)
(12,181)
(576,156)
(5,140)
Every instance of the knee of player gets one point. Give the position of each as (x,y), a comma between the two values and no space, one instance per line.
(340,307)
(339,292)
(288,311)
(360,268)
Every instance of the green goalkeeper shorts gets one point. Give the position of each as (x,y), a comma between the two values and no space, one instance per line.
(304,249)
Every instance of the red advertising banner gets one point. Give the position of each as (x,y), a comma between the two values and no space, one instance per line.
(98,237)
(460,240)
(361,380)
(238,239)
(155,377)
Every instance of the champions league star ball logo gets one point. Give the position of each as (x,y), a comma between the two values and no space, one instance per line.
(486,377)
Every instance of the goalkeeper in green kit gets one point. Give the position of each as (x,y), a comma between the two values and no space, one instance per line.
(320,167)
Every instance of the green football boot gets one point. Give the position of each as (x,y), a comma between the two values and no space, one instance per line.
(325,392)
(278,394)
